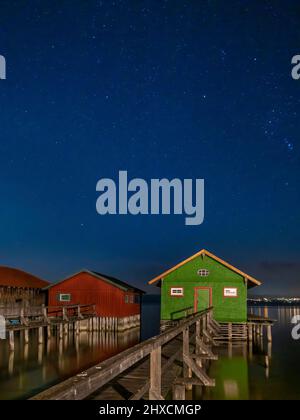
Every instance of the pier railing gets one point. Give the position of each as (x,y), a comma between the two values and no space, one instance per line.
(27,316)
(200,324)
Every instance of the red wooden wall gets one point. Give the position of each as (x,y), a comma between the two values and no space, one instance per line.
(87,289)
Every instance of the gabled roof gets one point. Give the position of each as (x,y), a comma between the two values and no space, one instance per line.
(13,277)
(108,279)
(251,279)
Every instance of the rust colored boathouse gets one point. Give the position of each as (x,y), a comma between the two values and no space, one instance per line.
(113,298)
(18,288)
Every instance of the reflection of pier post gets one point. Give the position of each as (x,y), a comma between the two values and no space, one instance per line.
(26,350)
(250,350)
(26,336)
(40,353)
(269,333)
(11,362)
(230,349)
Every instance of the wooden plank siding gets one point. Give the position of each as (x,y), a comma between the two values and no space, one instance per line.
(85,288)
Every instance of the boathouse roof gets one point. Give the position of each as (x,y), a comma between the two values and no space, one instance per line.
(109,279)
(13,277)
(251,280)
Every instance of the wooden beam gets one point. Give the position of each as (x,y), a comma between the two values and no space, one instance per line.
(155,375)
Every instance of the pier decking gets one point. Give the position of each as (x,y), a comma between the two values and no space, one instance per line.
(164,366)
(166,363)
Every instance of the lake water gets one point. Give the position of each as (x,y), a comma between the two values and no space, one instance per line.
(240,372)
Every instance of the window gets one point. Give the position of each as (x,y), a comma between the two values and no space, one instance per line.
(230,292)
(203,272)
(137,299)
(176,291)
(131,298)
(126,299)
(64,297)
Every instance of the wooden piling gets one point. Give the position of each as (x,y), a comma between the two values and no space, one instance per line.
(60,331)
(187,373)
(229,331)
(250,332)
(40,335)
(11,340)
(155,374)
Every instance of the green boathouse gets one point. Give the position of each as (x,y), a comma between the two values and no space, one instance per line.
(201,281)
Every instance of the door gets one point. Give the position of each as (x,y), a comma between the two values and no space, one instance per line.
(202,298)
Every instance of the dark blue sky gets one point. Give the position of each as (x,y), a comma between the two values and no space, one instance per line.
(188,89)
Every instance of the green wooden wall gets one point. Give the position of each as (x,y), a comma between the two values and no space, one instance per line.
(226,309)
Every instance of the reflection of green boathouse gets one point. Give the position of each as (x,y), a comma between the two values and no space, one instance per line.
(231,375)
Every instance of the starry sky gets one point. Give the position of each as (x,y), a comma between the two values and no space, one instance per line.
(168,88)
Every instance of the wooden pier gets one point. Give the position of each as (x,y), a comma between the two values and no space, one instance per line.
(60,320)
(165,365)
(47,319)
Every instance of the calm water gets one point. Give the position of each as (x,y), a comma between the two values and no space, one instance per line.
(240,372)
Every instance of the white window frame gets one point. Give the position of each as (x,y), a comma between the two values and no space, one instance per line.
(64,294)
(231,289)
(177,291)
(203,272)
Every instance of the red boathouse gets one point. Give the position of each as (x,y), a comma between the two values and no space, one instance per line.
(115,301)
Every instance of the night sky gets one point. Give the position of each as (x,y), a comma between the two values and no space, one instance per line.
(186,89)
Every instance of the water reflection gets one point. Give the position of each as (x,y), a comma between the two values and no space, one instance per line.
(254,370)
(33,367)
(258,369)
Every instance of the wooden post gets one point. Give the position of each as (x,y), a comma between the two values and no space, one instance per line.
(155,374)
(229,331)
(48,331)
(250,332)
(66,328)
(23,320)
(245,331)
(269,333)
(203,324)
(261,332)
(198,328)
(11,340)
(65,316)
(45,314)
(266,312)
(187,372)
(60,331)
(207,321)
(40,335)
